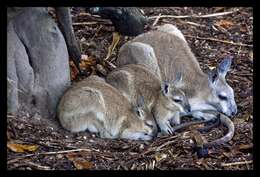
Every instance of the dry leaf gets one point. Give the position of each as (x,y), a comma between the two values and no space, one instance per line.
(73,71)
(244,28)
(219,9)
(160,156)
(82,165)
(22,147)
(86,62)
(79,162)
(224,24)
(245,146)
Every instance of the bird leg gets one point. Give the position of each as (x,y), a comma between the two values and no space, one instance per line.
(111,48)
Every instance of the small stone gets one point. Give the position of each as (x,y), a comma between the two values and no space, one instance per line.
(59,156)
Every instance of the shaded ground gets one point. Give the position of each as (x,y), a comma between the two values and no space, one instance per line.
(58,149)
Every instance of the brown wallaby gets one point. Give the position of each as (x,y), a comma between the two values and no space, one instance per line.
(96,106)
(173,55)
(163,99)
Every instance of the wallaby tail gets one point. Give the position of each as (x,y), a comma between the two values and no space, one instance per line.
(223,119)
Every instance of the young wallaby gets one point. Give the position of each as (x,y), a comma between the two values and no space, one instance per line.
(173,54)
(96,106)
(163,99)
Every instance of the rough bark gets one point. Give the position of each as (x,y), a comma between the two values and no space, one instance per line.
(37,63)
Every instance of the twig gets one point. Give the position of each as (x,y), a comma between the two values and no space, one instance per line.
(165,144)
(19,158)
(39,167)
(50,153)
(218,40)
(65,151)
(236,163)
(82,14)
(156,20)
(84,23)
(192,23)
(111,65)
(195,16)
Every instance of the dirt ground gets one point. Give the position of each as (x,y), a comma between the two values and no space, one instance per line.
(210,38)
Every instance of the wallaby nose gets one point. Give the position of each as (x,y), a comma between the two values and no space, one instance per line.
(233,113)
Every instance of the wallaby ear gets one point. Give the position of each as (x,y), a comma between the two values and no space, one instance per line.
(224,66)
(140,101)
(178,80)
(165,87)
(139,111)
(213,76)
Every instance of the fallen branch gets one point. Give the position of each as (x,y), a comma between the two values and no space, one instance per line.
(156,20)
(236,163)
(195,16)
(219,40)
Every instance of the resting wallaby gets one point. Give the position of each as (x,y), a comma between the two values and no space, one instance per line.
(163,99)
(173,54)
(96,106)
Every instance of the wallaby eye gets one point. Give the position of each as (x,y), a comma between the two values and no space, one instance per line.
(149,124)
(140,113)
(177,99)
(222,97)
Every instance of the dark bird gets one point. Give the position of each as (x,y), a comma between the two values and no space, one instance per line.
(129,21)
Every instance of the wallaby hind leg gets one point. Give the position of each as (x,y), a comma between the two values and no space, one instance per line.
(85,122)
(94,125)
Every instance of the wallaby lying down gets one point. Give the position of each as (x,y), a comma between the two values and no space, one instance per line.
(173,54)
(96,106)
(163,99)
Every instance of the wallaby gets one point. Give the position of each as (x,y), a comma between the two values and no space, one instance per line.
(173,54)
(96,106)
(163,99)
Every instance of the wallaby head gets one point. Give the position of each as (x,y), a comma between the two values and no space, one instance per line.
(174,95)
(221,95)
(143,112)
(146,124)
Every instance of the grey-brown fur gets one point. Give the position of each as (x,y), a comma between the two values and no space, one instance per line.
(94,105)
(175,56)
(134,80)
